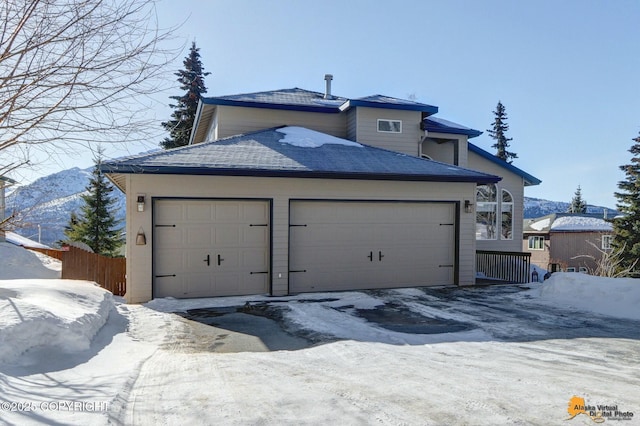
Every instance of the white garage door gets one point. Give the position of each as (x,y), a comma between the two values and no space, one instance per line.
(205,248)
(363,245)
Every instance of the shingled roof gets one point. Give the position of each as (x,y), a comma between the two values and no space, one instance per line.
(305,100)
(292,152)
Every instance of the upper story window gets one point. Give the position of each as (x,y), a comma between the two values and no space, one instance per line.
(606,242)
(389,126)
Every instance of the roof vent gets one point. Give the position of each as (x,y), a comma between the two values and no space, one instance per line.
(327,93)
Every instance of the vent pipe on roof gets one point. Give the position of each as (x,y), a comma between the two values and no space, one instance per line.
(327,93)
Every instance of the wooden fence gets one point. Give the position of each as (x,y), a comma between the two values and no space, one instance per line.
(510,267)
(56,254)
(108,272)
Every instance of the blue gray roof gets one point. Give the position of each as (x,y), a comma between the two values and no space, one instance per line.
(305,100)
(294,152)
(440,125)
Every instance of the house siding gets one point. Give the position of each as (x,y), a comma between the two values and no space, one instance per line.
(515,185)
(446,148)
(569,250)
(406,142)
(280,191)
(238,120)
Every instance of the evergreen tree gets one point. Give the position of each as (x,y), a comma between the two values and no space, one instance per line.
(497,132)
(626,227)
(578,205)
(96,226)
(191,79)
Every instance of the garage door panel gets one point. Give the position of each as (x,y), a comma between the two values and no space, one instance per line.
(191,234)
(412,244)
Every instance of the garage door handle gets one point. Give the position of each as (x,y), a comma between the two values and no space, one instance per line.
(208,260)
(220,260)
(370,256)
(380,256)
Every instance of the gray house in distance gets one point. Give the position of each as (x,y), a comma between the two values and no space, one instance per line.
(292,191)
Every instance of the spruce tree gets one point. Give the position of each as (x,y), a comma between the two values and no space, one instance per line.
(191,79)
(578,205)
(626,226)
(96,225)
(498,131)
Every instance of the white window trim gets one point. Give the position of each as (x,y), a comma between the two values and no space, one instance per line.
(608,238)
(502,211)
(536,238)
(389,120)
(583,270)
(570,269)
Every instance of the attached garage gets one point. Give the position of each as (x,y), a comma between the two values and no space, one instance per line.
(291,210)
(342,245)
(207,248)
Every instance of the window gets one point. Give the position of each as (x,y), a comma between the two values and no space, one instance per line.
(390,126)
(583,270)
(506,208)
(536,243)
(606,242)
(486,212)
(571,269)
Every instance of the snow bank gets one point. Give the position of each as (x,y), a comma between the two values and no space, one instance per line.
(617,297)
(40,315)
(16,261)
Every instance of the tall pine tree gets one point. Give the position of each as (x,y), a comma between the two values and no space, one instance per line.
(498,131)
(626,226)
(96,225)
(578,204)
(191,79)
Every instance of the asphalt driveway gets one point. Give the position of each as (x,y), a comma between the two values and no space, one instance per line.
(406,316)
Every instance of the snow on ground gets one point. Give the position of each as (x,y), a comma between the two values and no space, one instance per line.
(617,297)
(135,370)
(17,262)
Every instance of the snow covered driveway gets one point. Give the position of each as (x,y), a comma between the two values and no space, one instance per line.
(477,356)
(512,360)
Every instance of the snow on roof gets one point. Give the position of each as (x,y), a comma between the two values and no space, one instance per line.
(580,223)
(541,224)
(19,240)
(303,138)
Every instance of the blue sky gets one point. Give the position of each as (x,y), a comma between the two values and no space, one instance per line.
(566,71)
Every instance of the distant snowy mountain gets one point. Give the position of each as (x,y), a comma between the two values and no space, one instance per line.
(536,207)
(49,201)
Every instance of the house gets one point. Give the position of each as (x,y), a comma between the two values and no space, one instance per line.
(4,183)
(292,191)
(567,242)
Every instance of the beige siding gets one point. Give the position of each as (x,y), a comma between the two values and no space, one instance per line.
(237,120)
(280,191)
(443,147)
(352,121)
(515,185)
(406,142)
(538,257)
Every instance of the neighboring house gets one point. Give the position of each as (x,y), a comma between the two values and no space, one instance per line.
(293,191)
(4,183)
(567,242)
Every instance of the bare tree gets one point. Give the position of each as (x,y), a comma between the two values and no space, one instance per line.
(610,263)
(76,72)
